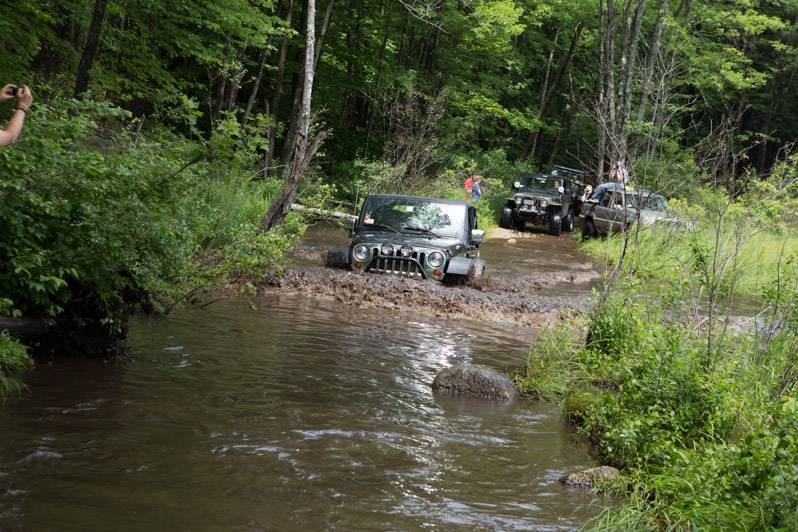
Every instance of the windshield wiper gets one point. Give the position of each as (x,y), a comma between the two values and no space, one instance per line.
(423,230)
(383,226)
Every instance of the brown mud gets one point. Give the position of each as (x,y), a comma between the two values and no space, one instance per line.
(533,281)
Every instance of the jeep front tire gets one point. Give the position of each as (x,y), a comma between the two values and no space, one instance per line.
(506,218)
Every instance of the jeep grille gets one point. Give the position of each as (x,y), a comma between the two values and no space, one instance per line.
(396,265)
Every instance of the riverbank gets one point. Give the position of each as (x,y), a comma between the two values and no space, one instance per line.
(699,417)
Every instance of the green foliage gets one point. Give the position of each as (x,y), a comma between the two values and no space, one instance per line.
(13,359)
(99,218)
(703,446)
(548,372)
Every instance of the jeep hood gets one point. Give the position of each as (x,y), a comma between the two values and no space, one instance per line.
(550,195)
(411,239)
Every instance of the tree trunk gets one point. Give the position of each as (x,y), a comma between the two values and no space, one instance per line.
(610,124)
(221,87)
(278,90)
(290,137)
(653,54)
(91,48)
(565,124)
(564,62)
(256,87)
(235,79)
(545,89)
(601,105)
(627,76)
(302,154)
(385,34)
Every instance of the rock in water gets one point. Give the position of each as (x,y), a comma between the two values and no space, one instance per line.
(474,381)
(587,478)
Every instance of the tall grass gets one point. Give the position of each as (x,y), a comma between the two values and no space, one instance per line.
(13,359)
(668,251)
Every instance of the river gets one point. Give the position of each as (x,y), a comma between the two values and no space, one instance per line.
(288,412)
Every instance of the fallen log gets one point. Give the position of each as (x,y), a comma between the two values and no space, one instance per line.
(348,219)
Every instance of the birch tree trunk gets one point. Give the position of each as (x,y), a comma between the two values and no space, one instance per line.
(302,153)
(610,123)
(291,135)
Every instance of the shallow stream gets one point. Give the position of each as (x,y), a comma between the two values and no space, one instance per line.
(285,413)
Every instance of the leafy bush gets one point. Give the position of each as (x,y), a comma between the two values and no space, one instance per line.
(707,432)
(13,358)
(97,217)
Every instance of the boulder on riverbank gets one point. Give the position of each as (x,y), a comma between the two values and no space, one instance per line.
(588,478)
(474,381)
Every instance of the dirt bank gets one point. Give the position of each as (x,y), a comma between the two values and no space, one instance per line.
(496,300)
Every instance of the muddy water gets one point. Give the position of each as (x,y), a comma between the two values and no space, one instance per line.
(291,413)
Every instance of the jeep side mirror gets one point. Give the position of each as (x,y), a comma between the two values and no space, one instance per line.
(477,235)
(517,184)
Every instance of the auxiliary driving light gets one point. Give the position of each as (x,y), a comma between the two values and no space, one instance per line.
(386,249)
(406,251)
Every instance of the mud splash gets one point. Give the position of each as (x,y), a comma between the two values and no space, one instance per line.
(532,281)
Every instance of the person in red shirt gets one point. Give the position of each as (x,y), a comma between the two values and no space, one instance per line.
(469,184)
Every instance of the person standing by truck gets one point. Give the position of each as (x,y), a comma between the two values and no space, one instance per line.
(469,184)
(476,188)
(24,100)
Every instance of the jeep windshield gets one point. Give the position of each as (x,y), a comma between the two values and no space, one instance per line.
(541,182)
(413,216)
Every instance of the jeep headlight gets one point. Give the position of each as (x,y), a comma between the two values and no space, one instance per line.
(435,259)
(406,251)
(386,249)
(543,203)
(361,252)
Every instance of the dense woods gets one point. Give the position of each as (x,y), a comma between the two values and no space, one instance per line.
(571,81)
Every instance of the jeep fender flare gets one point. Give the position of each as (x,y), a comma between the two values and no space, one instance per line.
(461,265)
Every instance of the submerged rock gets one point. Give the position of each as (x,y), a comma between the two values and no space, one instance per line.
(474,381)
(587,478)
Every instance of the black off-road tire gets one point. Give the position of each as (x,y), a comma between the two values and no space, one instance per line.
(555,228)
(337,257)
(506,218)
(568,224)
(588,230)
